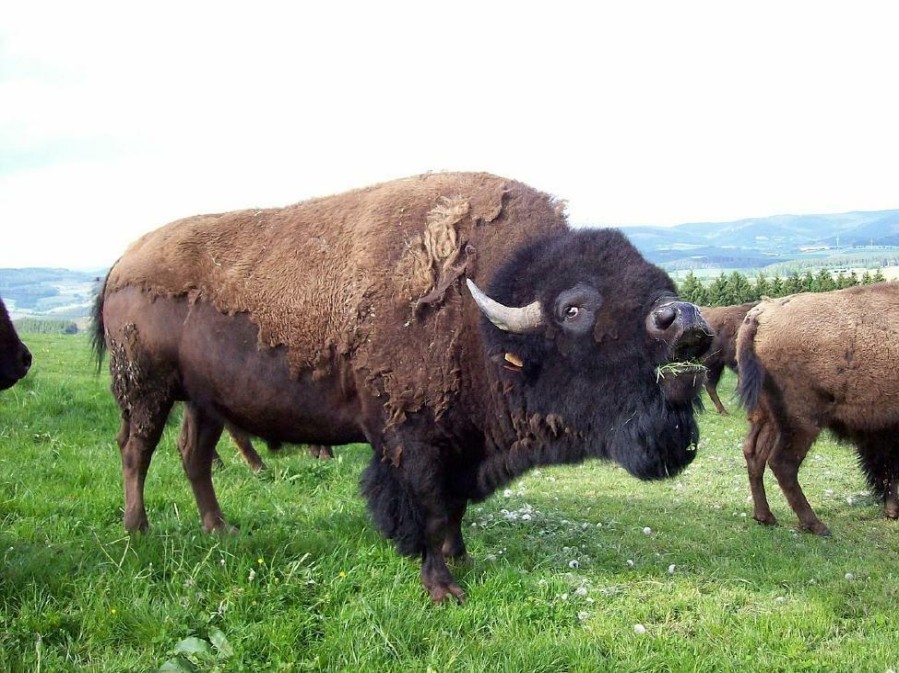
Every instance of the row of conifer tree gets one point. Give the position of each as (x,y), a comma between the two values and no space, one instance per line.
(735,288)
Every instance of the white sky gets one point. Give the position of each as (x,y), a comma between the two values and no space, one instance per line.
(115,120)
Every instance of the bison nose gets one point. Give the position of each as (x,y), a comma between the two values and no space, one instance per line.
(25,358)
(662,318)
(680,325)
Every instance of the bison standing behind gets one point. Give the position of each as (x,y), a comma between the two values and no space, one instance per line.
(724,321)
(15,358)
(347,319)
(814,361)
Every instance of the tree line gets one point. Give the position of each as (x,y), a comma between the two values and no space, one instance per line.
(735,288)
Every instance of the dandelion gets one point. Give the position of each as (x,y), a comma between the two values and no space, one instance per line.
(573,564)
(630,563)
(849,577)
(507,493)
(639,629)
(221,562)
(647,530)
(671,569)
(563,597)
(583,615)
(112,611)
(252,575)
(780,599)
(341,574)
(580,592)
(260,561)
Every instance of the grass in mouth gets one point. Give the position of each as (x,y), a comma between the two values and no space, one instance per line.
(679,367)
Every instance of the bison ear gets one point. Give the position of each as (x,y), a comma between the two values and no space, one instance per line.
(516,320)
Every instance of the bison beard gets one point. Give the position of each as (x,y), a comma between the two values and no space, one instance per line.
(348,319)
(15,358)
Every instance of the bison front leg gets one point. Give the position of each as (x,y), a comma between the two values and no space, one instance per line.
(435,575)
(409,506)
(454,544)
(200,433)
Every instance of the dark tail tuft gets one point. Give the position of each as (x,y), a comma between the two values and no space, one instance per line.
(98,336)
(752,374)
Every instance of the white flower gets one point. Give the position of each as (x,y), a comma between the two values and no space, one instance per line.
(671,569)
(252,575)
(580,592)
(647,531)
(639,629)
(849,577)
(507,493)
(583,615)
(573,564)
(525,517)
(630,563)
(564,597)
(780,599)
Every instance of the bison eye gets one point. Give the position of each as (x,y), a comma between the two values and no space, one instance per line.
(571,312)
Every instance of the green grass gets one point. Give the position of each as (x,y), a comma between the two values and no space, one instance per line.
(562,572)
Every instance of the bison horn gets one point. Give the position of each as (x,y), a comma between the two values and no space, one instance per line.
(518,320)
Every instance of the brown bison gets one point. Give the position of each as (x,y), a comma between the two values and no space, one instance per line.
(356,318)
(814,361)
(724,321)
(15,358)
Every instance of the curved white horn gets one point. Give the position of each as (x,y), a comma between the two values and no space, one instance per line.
(517,320)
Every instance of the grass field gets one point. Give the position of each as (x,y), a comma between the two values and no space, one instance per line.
(566,563)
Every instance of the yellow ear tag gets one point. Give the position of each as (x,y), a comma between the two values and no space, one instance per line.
(513,359)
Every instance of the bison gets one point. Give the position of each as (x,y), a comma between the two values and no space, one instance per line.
(724,321)
(245,448)
(15,358)
(359,318)
(813,361)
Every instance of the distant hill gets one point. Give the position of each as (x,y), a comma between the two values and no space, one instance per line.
(57,293)
(759,242)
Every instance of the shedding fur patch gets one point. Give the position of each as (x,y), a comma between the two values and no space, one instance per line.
(369,276)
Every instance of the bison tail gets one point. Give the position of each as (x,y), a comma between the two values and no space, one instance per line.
(98,332)
(751,372)
(395,511)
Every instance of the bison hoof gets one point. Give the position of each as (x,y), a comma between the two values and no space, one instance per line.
(891,512)
(818,529)
(440,592)
(768,520)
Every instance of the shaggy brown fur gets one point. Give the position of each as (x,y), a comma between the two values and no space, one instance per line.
(15,358)
(360,267)
(724,321)
(814,361)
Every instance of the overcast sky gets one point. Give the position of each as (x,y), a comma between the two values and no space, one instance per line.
(114,121)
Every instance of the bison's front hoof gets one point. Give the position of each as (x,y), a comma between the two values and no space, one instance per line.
(891,510)
(817,528)
(766,520)
(439,593)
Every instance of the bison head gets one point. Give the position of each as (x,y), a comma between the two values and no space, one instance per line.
(584,331)
(15,358)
